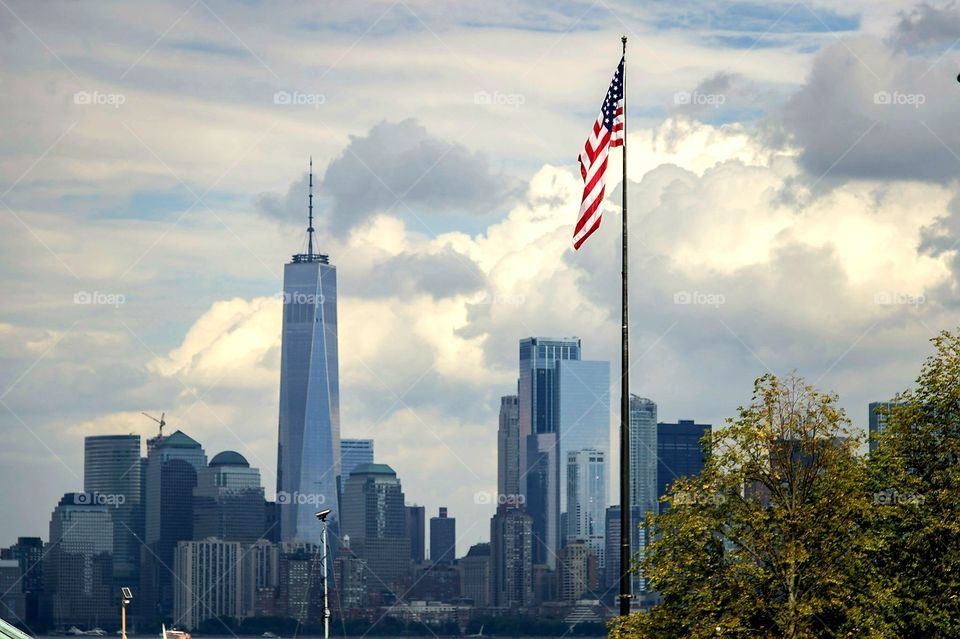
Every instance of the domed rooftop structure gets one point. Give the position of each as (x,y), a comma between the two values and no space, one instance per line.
(229,458)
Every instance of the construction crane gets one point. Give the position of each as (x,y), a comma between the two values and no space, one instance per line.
(159,421)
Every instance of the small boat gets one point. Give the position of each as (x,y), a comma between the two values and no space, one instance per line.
(96,632)
(76,632)
(269,635)
(173,633)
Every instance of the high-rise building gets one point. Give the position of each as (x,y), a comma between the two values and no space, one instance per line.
(308,451)
(209,581)
(577,572)
(587,500)
(417,531)
(508,449)
(13,604)
(261,576)
(353,453)
(611,568)
(539,407)
(374,516)
(28,553)
(511,554)
(78,565)
(111,474)
(878,415)
(443,538)
(583,415)
(300,593)
(228,500)
(643,478)
(172,466)
(350,578)
(680,452)
(475,575)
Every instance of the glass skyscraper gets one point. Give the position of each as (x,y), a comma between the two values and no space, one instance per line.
(583,417)
(354,452)
(587,499)
(228,501)
(508,449)
(539,408)
(680,452)
(308,450)
(643,475)
(111,474)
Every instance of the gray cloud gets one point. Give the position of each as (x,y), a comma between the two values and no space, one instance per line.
(400,168)
(928,25)
(438,274)
(867,111)
(396,164)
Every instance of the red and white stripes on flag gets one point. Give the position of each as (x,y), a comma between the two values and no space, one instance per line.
(607,133)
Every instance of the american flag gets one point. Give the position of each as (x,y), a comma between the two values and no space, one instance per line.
(607,133)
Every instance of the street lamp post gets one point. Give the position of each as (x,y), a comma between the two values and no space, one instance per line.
(322,516)
(125,597)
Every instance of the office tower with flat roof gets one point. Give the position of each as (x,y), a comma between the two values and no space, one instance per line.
(308,450)
(417,531)
(611,569)
(587,500)
(78,566)
(111,473)
(539,408)
(443,538)
(209,581)
(643,476)
(577,573)
(508,450)
(511,555)
(374,516)
(354,452)
(28,553)
(878,413)
(228,500)
(680,452)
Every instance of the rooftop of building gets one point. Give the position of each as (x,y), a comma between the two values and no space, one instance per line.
(373,469)
(229,458)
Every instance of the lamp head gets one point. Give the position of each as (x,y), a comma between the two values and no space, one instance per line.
(322,515)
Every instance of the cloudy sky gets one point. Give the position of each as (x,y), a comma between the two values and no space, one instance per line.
(791,177)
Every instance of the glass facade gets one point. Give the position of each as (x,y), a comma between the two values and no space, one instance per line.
(680,452)
(78,566)
(584,412)
(443,538)
(111,474)
(228,501)
(375,518)
(539,410)
(508,449)
(587,499)
(354,452)
(643,475)
(308,451)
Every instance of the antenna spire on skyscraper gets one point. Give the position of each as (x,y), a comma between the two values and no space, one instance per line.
(310,208)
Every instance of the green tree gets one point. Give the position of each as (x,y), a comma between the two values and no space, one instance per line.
(915,476)
(769,540)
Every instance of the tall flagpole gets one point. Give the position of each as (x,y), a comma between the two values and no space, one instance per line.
(625,514)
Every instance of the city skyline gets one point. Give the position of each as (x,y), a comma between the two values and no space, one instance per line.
(145,244)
